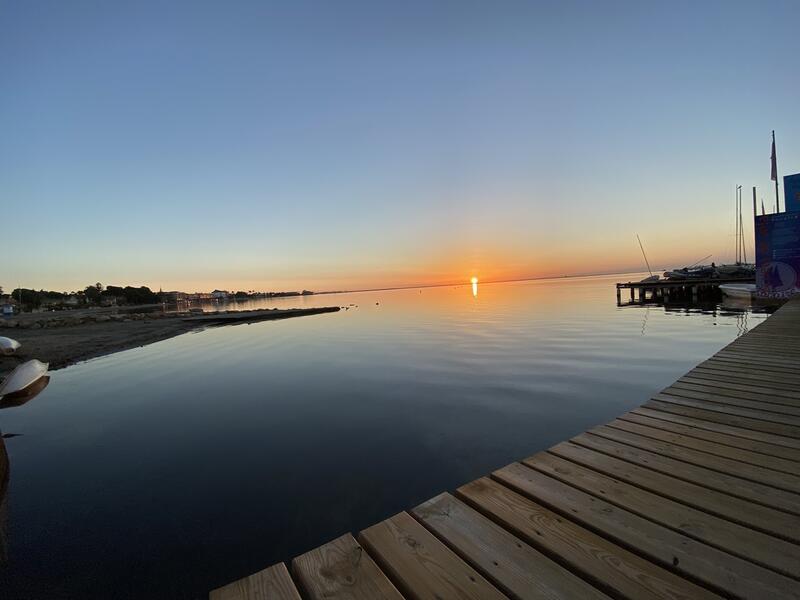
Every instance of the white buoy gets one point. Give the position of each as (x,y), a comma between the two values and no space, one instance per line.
(24,375)
(8,346)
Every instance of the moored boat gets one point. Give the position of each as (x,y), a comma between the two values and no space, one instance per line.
(701,272)
(8,346)
(743,270)
(23,376)
(743,291)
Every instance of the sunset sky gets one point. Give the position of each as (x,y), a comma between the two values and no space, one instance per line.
(336,145)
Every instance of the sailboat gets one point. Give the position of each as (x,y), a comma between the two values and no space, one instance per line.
(741,268)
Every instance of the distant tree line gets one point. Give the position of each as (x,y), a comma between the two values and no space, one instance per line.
(95,294)
(92,295)
(35,298)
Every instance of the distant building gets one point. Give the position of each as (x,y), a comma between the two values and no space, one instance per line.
(220,294)
(173,297)
(199,296)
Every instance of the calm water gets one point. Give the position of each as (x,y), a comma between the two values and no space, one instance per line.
(165,471)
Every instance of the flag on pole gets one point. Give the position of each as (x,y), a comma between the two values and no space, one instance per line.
(774,160)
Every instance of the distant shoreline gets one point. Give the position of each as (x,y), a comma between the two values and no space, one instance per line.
(62,346)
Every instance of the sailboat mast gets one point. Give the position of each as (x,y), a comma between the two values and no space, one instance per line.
(645,256)
(741,231)
(736,221)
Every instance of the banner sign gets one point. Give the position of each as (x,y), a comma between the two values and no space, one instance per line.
(778,254)
(791,192)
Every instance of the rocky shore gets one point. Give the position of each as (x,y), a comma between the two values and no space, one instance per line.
(62,339)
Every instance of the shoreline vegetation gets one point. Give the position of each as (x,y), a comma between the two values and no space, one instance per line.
(66,338)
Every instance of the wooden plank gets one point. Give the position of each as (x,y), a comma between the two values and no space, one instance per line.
(742,377)
(723,505)
(745,378)
(661,432)
(733,393)
(342,570)
(626,433)
(777,357)
(678,389)
(609,567)
(771,375)
(779,350)
(748,387)
(749,361)
(780,353)
(273,583)
(708,430)
(614,444)
(722,572)
(512,565)
(765,550)
(788,424)
(420,565)
(759,357)
(756,429)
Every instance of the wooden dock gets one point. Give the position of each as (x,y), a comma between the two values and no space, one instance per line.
(695,494)
(673,290)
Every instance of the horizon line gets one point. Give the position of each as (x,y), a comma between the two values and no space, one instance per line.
(461,283)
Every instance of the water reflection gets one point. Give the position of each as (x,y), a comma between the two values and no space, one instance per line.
(380,406)
(4,477)
(26,395)
(11,401)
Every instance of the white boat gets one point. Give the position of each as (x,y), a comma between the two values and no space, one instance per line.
(743,291)
(8,346)
(23,376)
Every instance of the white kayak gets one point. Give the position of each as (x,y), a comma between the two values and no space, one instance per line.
(23,376)
(738,290)
(8,346)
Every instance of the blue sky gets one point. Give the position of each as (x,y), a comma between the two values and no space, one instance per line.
(330,145)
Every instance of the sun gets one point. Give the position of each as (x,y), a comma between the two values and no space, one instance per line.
(474,280)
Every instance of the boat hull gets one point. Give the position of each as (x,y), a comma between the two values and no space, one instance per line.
(8,346)
(23,376)
(743,291)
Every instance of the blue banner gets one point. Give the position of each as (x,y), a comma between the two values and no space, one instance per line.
(791,192)
(778,254)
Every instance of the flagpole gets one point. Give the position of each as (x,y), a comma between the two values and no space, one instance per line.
(775,173)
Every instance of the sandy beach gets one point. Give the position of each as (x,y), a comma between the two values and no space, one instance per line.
(67,339)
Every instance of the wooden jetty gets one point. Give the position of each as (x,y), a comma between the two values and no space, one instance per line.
(676,290)
(695,494)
